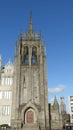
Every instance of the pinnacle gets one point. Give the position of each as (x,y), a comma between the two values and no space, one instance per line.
(30,24)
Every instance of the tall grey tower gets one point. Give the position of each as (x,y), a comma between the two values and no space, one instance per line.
(62,106)
(30,91)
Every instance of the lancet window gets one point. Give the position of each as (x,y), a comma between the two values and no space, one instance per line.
(26,58)
(34,55)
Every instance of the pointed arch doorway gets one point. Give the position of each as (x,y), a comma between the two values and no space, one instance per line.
(29,116)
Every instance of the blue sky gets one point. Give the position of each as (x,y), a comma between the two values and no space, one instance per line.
(54,18)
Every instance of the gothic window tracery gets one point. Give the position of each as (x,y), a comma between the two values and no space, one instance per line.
(26,58)
(34,55)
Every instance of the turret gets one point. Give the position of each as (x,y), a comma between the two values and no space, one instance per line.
(55,104)
(62,105)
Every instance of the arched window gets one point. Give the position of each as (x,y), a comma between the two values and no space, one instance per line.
(34,55)
(34,59)
(26,58)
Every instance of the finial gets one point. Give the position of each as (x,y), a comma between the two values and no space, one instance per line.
(30,23)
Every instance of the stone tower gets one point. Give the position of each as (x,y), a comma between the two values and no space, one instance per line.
(30,91)
(62,106)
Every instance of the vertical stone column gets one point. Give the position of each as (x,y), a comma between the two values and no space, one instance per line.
(46,94)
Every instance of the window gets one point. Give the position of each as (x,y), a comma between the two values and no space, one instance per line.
(0,94)
(72,116)
(71,103)
(34,59)
(5,110)
(2,81)
(11,81)
(72,109)
(26,59)
(34,55)
(7,81)
(71,98)
(6,95)
(0,110)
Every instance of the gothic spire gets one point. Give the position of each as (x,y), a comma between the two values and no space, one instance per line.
(56,104)
(30,24)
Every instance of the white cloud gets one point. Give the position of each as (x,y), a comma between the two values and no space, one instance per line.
(57,89)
